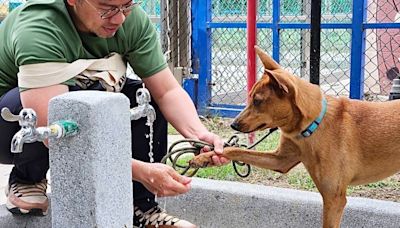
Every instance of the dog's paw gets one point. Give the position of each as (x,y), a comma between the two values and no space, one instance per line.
(201,161)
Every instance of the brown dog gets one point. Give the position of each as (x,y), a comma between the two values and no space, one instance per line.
(340,141)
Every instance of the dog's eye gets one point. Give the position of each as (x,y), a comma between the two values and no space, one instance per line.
(257,102)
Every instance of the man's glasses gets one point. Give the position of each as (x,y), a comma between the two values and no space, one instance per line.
(114,11)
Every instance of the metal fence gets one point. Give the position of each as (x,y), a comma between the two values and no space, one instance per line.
(205,40)
(359,47)
(173,22)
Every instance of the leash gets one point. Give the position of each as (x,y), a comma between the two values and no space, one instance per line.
(181,148)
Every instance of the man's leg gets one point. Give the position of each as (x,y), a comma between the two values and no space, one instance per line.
(146,209)
(30,166)
(144,199)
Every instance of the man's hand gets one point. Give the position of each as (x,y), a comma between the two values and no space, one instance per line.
(160,179)
(218,147)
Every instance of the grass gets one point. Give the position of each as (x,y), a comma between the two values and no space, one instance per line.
(172,130)
(297,178)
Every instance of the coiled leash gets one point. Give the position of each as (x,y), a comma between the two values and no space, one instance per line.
(181,148)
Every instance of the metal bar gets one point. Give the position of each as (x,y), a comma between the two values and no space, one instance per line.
(184,33)
(162,20)
(251,53)
(195,38)
(284,25)
(226,25)
(305,40)
(357,50)
(308,26)
(201,14)
(276,12)
(287,18)
(315,41)
(174,29)
(302,25)
(251,41)
(381,25)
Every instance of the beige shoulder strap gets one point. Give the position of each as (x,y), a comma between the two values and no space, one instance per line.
(110,70)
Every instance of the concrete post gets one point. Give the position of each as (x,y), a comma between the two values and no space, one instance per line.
(90,172)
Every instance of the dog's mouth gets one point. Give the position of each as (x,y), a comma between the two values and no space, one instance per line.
(245,128)
(259,128)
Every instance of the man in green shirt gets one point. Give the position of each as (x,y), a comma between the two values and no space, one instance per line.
(58,33)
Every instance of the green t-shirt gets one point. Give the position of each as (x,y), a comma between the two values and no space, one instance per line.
(42,31)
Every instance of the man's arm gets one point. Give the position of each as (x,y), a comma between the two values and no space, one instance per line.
(38,100)
(174,103)
(179,110)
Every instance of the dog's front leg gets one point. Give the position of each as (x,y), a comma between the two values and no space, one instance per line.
(334,204)
(332,184)
(278,161)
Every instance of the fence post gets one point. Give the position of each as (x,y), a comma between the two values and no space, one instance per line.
(184,35)
(315,53)
(305,41)
(201,15)
(357,50)
(91,172)
(276,14)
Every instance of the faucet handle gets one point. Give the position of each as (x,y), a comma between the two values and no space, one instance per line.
(143,96)
(8,115)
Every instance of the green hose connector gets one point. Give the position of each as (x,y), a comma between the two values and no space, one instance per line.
(64,128)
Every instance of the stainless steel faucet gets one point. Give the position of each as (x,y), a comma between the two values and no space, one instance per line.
(144,108)
(29,133)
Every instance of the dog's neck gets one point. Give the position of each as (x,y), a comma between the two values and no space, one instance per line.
(314,125)
(306,108)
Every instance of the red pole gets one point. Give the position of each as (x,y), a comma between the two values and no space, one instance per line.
(251,53)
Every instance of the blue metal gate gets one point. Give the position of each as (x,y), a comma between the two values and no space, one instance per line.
(360,46)
(345,47)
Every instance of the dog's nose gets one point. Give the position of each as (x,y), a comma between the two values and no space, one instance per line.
(235,126)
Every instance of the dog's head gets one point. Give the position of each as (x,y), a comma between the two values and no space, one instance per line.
(274,100)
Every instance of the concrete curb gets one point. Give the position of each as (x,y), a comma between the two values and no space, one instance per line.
(213,203)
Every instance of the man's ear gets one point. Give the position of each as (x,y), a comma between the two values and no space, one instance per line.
(72,2)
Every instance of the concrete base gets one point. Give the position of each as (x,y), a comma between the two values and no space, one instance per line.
(91,171)
(232,204)
(213,203)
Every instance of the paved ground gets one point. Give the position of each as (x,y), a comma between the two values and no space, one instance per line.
(4,172)
(6,169)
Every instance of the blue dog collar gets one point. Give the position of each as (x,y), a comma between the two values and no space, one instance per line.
(314,125)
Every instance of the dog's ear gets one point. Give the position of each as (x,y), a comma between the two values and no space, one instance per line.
(268,62)
(282,84)
(270,65)
(296,88)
